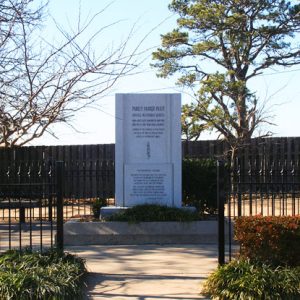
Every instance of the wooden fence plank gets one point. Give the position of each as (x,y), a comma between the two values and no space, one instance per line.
(90,168)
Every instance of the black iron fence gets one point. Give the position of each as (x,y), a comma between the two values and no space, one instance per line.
(99,159)
(31,201)
(272,189)
(89,169)
(89,179)
(37,196)
(84,181)
(255,189)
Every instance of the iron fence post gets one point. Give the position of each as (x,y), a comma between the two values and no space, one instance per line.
(221,218)
(60,216)
(239,189)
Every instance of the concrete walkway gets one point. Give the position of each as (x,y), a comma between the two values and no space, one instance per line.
(147,272)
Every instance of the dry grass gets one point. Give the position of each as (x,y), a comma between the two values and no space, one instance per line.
(265,206)
(72,208)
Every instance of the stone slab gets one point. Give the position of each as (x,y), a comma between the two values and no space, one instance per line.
(122,233)
(148,137)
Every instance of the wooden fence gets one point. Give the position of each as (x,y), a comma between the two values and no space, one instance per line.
(271,149)
(86,153)
(90,168)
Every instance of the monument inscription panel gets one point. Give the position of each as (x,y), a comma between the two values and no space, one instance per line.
(151,183)
(148,122)
(148,149)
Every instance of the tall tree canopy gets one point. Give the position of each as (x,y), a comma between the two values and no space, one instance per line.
(42,83)
(218,46)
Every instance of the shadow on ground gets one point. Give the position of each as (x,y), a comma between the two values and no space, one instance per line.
(147,272)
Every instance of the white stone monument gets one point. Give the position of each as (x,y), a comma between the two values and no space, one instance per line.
(148,149)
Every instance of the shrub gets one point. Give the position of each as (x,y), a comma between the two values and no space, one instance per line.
(96,206)
(243,280)
(199,184)
(32,275)
(153,213)
(273,240)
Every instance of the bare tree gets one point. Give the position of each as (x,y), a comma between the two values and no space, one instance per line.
(42,83)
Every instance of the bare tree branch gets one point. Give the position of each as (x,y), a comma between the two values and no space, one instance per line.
(43,83)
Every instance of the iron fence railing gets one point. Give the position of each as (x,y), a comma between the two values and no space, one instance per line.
(83,183)
(36,197)
(267,190)
(31,198)
(251,189)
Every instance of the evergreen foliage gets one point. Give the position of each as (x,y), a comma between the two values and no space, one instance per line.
(218,47)
(33,275)
(154,213)
(242,280)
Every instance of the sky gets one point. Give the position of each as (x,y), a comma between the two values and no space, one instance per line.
(278,88)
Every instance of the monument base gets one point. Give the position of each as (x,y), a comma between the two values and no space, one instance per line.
(123,233)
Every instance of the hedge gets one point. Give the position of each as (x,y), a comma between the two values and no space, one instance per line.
(245,280)
(199,184)
(271,240)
